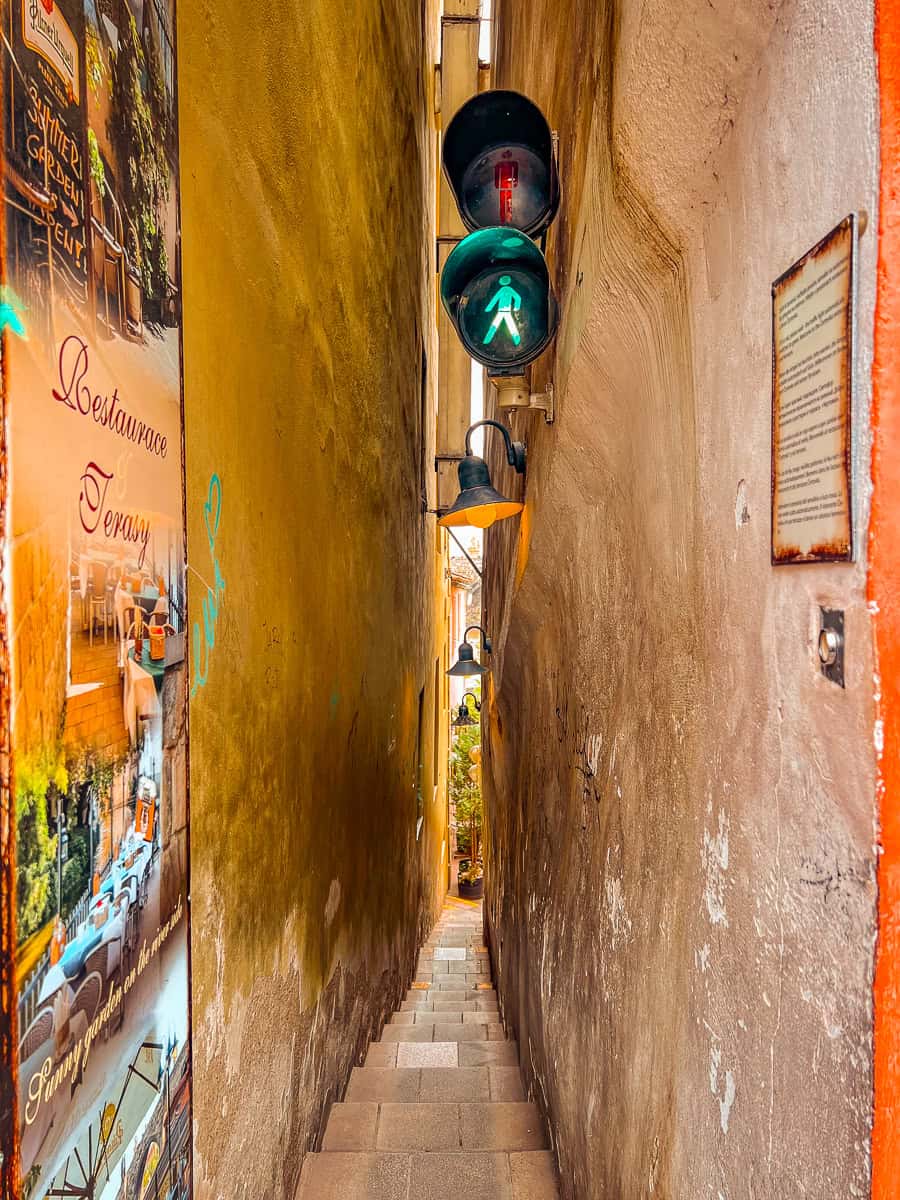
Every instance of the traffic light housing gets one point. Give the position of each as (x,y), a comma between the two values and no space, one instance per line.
(500,162)
(496,289)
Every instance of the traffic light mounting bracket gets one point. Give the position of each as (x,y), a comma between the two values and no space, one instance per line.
(515,395)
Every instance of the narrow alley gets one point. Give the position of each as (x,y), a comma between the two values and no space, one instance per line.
(450,600)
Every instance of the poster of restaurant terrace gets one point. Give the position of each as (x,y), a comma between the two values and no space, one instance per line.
(95,1096)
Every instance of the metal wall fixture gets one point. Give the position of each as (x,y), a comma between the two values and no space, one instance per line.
(479,503)
(830,644)
(463,716)
(466,664)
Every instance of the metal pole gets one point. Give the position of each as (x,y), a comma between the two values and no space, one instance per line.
(462,547)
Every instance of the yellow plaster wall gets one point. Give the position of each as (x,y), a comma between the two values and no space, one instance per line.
(307,152)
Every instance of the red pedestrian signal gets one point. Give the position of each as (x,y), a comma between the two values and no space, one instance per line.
(506,178)
(500,162)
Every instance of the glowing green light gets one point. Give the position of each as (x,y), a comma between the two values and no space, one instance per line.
(512,241)
(506,300)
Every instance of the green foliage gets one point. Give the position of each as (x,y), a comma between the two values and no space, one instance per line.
(35,848)
(98,171)
(96,766)
(96,68)
(76,875)
(465,794)
(140,129)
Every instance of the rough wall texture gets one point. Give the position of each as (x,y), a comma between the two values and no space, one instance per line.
(306,216)
(681,809)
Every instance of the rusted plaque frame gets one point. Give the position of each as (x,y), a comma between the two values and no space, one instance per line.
(844,549)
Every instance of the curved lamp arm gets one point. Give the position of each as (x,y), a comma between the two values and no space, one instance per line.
(485,640)
(515,451)
(474,697)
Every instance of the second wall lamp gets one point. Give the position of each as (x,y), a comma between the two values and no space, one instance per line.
(466,664)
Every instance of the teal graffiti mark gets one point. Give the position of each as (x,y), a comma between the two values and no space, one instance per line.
(210,605)
(10,304)
(506,300)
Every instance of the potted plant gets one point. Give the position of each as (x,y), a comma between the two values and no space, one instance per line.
(465,792)
(471,882)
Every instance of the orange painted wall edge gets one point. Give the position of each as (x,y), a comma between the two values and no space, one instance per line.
(884,596)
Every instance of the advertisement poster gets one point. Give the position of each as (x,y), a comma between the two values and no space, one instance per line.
(95,839)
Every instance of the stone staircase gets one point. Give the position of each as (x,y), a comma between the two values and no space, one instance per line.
(438,1111)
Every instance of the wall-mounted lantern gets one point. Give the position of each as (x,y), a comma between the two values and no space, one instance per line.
(464,717)
(478,502)
(466,663)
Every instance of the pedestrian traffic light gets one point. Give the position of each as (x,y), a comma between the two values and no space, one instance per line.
(496,289)
(499,160)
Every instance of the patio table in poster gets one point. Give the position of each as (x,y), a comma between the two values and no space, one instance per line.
(140,693)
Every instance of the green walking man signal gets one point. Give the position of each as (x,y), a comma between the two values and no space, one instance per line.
(506,300)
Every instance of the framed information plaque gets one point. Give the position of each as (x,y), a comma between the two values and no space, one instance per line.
(813,350)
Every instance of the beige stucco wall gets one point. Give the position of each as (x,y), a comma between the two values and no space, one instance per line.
(682,810)
(307,197)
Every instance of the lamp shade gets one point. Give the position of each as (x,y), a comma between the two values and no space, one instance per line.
(478,503)
(466,664)
(463,718)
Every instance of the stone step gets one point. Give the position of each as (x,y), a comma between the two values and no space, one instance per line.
(445,1017)
(447,1175)
(428,991)
(473,946)
(455,966)
(439,1085)
(441,970)
(453,954)
(448,1005)
(469,937)
(453,981)
(473,1125)
(444,1032)
(443,1054)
